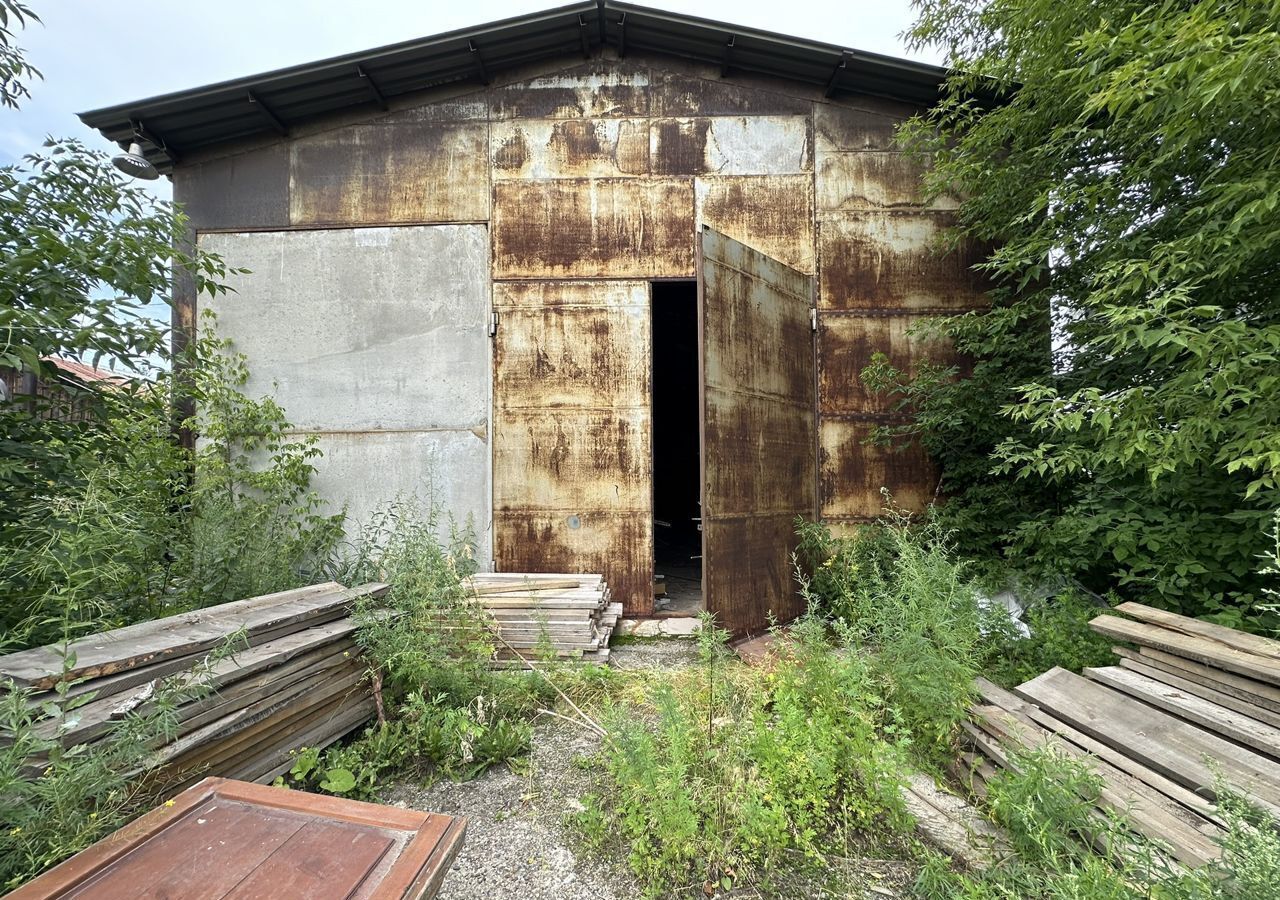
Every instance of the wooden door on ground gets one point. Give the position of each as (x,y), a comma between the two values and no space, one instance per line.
(758,430)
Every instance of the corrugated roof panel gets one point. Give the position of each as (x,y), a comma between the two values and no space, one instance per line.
(191,120)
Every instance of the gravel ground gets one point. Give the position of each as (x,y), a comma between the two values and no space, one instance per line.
(518,847)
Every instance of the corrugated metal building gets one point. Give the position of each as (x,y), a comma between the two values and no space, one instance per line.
(578,273)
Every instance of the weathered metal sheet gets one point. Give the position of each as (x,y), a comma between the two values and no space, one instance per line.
(572,432)
(404,171)
(375,339)
(861,127)
(599,89)
(891,260)
(846,344)
(569,148)
(772,213)
(572,460)
(565,356)
(852,473)
(535,295)
(617,544)
(677,94)
(593,228)
(873,180)
(248,190)
(758,429)
(731,145)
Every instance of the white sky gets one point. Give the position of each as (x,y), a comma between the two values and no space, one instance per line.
(96,53)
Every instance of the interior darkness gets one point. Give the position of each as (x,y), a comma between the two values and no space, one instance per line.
(677,542)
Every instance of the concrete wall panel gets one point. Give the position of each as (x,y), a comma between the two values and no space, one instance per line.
(391,172)
(374,338)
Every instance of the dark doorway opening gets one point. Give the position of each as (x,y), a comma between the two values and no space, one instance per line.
(677,449)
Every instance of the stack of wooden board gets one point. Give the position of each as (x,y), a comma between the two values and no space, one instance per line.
(1196,705)
(285,674)
(572,613)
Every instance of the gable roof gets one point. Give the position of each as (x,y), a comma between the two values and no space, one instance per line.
(173,124)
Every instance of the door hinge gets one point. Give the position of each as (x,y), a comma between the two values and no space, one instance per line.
(493,324)
(813,318)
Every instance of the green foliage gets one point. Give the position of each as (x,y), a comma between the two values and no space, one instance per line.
(256,526)
(1115,157)
(125,534)
(447,714)
(1060,636)
(899,591)
(729,770)
(56,800)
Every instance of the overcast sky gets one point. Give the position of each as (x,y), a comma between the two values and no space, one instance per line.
(96,53)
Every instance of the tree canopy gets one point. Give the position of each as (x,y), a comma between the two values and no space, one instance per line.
(1123,160)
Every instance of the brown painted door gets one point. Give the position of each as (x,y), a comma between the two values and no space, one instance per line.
(757,429)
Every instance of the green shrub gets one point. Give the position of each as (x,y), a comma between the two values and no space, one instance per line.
(726,771)
(1060,636)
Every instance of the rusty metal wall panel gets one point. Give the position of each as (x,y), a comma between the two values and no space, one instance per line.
(569,148)
(889,260)
(248,190)
(872,180)
(846,343)
(599,89)
(731,145)
(617,545)
(772,213)
(852,473)
(679,93)
(391,172)
(758,421)
(593,228)
(572,432)
(857,127)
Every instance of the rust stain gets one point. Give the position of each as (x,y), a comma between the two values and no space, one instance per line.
(874,180)
(679,146)
(617,545)
(771,213)
(852,472)
(591,228)
(512,154)
(601,89)
(758,427)
(846,344)
(841,127)
(570,148)
(886,260)
(381,173)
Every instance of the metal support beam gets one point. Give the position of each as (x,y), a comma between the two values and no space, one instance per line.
(480,66)
(727,61)
(269,115)
(582,33)
(622,36)
(373,88)
(835,75)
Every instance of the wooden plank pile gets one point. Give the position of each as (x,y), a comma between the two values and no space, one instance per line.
(572,613)
(1194,703)
(293,678)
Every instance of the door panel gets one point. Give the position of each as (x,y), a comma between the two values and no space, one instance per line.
(572,434)
(758,432)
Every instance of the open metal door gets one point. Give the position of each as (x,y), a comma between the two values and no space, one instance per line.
(758,429)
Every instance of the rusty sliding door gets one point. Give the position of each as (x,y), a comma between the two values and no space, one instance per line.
(758,429)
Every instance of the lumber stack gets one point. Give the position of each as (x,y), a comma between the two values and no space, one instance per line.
(292,678)
(574,614)
(1192,704)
